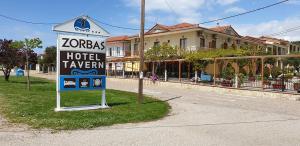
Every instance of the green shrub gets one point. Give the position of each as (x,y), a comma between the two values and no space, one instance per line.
(276,71)
(228,72)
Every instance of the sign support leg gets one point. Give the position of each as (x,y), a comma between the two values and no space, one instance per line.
(57,100)
(58,108)
(103,100)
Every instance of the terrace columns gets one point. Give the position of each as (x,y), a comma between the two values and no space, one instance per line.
(180,70)
(115,69)
(236,68)
(153,68)
(196,76)
(215,61)
(123,68)
(166,72)
(189,70)
(262,72)
(132,69)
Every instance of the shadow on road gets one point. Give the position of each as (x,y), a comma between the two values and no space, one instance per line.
(163,100)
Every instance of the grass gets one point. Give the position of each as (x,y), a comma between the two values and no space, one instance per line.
(36,107)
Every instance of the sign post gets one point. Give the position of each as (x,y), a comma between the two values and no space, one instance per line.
(81,56)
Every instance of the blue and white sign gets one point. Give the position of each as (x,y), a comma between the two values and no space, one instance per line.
(73,83)
(82,25)
(81,59)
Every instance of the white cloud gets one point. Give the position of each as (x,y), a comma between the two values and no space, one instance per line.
(235,10)
(271,27)
(226,2)
(184,11)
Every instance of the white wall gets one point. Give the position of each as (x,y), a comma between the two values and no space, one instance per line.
(193,40)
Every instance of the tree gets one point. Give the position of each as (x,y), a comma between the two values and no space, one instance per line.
(200,58)
(9,56)
(50,55)
(29,45)
(49,58)
(161,53)
(295,62)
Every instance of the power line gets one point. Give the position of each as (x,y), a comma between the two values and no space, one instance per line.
(170,7)
(129,28)
(52,23)
(26,21)
(115,26)
(285,31)
(244,13)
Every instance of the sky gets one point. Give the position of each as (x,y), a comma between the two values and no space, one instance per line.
(126,13)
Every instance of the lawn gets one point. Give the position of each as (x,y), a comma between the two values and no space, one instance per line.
(36,107)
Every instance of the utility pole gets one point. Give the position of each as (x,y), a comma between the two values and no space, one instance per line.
(141,52)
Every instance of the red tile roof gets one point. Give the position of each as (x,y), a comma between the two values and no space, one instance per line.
(267,38)
(221,29)
(180,26)
(253,39)
(118,38)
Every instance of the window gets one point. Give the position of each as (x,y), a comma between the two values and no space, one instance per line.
(270,50)
(225,46)
(156,44)
(127,49)
(118,51)
(136,49)
(183,43)
(213,44)
(279,51)
(110,52)
(233,46)
(202,42)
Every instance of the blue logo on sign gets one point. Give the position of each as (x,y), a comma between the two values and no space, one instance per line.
(82,25)
(81,72)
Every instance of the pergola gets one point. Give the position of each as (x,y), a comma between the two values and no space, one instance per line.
(262,58)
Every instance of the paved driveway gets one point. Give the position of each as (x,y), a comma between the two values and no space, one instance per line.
(197,118)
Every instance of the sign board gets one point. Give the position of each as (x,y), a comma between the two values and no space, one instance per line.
(81,25)
(80,59)
(82,62)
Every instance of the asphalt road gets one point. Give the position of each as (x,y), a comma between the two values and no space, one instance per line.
(197,118)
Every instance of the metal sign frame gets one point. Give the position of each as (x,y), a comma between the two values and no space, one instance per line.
(60,77)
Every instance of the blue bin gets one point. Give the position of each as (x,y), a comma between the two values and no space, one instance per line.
(206,77)
(19,72)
